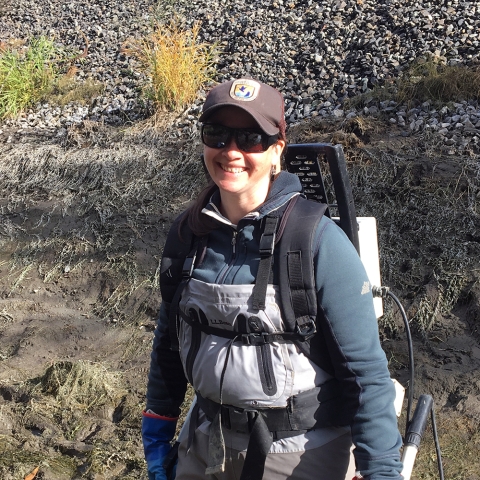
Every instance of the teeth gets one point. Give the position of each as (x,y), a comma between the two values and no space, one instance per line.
(232,170)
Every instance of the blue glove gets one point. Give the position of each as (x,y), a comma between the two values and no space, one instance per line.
(157,433)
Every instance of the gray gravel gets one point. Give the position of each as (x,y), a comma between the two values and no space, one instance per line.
(317,53)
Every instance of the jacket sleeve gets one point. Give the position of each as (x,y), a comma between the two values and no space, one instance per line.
(351,334)
(166,380)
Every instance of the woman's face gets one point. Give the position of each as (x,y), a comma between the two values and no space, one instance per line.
(238,172)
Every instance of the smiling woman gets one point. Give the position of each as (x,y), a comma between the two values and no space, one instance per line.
(268,405)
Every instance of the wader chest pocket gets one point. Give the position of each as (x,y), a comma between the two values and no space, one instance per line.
(264,359)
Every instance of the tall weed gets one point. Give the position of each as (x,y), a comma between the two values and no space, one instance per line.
(175,62)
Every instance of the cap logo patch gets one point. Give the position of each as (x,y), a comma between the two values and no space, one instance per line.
(244,90)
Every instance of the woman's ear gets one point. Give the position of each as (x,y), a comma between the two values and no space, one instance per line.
(279,146)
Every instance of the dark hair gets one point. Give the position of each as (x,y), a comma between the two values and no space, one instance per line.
(199,224)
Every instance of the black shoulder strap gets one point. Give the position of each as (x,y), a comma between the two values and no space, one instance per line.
(296,271)
(177,247)
(178,261)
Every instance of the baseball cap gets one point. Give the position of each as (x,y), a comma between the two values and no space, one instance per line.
(263,102)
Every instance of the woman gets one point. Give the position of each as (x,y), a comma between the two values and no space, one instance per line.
(246,393)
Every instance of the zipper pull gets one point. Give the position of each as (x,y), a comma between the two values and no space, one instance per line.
(234,241)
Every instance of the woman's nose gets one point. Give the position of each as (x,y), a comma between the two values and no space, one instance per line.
(231,146)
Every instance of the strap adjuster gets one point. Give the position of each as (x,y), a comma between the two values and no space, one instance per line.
(267,244)
(256,338)
(306,328)
(188,266)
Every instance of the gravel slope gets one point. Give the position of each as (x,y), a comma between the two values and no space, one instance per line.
(317,53)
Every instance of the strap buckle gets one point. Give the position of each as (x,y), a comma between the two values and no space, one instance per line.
(237,419)
(256,338)
(306,328)
(267,244)
(188,266)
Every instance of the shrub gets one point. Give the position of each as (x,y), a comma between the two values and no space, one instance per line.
(176,64)
(26,75)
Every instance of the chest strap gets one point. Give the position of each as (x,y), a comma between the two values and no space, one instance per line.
(252,338)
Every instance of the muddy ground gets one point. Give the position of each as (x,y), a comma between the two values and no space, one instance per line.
(83,221)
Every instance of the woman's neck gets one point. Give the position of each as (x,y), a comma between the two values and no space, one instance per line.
(235,207)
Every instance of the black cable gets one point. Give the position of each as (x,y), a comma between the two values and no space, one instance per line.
(384,292)
(437,444)
(410,355)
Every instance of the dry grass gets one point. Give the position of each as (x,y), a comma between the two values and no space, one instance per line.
(68,90)
(70,214)
(82,386)
(177,64)
(459,441)
(427,79)
(431,79)
(65,405)
(450,288)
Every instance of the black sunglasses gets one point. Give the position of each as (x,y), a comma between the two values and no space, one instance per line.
(249,140)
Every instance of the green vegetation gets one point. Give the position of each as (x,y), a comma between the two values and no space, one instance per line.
(26,75)
(176,64)
(36,72)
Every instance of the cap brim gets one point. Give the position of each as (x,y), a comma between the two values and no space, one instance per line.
(261,121)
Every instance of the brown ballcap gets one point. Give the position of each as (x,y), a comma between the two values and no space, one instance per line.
(263,102)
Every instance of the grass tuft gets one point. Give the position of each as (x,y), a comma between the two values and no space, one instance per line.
(68,90)
(430,79)
(427,79)
(26,74)
(176,63)
(81,385)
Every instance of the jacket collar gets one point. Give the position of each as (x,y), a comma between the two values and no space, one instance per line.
(285,186)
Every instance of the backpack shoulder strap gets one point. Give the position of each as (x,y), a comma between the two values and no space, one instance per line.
(177,247)
(296,272)
(178,261)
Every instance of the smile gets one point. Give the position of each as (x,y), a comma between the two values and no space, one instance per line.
(231,169)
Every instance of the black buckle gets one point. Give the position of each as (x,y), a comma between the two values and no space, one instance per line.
(306,328)
(237,419)
(188,266)
(256,338)
(267,244)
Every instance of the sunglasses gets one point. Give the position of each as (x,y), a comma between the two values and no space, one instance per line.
(249,140)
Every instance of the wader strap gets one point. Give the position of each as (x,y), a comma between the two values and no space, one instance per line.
(259,445)
(267,245)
